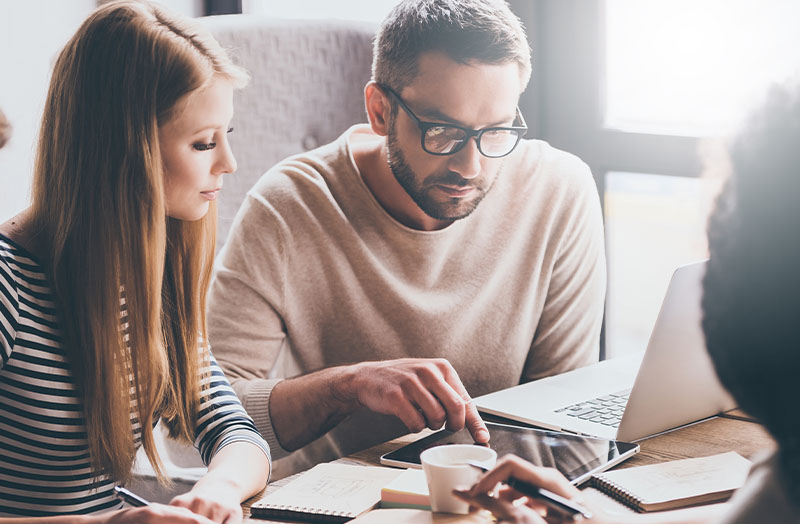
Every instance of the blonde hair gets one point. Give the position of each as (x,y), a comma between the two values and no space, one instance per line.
(99,213)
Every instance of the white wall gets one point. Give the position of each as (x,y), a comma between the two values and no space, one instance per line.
(32,32)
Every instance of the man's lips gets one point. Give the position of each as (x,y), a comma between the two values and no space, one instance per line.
(455,191)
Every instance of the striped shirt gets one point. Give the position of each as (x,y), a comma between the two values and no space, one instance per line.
(44,463)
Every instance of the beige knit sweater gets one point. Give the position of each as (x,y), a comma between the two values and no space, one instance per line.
(315,273)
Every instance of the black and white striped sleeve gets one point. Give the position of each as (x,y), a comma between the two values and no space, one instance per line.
(222,419)
(9,308)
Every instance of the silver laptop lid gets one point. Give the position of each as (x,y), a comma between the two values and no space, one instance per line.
(676,382)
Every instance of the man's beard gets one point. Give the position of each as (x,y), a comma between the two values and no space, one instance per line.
(419,191)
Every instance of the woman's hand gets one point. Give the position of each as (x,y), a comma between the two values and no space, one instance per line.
(512,506)
(237,471)
(218,503)
(152,514)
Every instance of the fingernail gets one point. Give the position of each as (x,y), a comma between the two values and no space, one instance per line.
(484,434)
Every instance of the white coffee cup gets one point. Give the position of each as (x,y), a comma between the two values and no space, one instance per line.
(446,469)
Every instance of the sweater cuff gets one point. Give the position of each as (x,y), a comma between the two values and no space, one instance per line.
(257,406)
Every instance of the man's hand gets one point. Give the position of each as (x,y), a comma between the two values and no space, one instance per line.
(420,392)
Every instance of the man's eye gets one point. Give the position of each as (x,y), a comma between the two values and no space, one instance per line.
(205,147)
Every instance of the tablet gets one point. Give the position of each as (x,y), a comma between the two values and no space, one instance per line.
(577,457)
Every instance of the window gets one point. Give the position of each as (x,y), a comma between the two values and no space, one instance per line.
(689,67)
(635,89)
(654,224)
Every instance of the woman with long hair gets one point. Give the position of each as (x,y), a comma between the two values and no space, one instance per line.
(103,279)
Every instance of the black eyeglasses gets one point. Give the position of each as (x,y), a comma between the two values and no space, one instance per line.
(447,139)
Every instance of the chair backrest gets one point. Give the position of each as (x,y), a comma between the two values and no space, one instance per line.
(307,88)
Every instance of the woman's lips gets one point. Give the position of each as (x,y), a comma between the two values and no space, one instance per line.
(210,195)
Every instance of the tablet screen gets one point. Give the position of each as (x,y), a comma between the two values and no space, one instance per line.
(577,457)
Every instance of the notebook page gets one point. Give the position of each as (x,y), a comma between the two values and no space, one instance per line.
(327,488)
(680,479)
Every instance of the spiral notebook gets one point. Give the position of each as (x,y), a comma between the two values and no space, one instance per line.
(675,484)
(328,492)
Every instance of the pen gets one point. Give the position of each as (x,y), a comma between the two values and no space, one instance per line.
(550,499)
(130,497)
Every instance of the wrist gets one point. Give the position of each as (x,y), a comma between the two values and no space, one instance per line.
(218,488)
(342,389)
(325,398)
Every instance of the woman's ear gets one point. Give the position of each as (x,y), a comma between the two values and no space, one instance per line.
(378,108)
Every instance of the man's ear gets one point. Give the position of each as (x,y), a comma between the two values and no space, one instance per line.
(378,108)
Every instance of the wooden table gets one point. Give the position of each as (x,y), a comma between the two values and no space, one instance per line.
(731,431)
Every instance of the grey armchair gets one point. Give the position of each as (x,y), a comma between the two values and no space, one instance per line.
(307,87)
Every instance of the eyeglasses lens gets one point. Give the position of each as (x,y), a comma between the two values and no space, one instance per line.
(442,140)
(498,142)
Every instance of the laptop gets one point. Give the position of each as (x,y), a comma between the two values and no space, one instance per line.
(671,384)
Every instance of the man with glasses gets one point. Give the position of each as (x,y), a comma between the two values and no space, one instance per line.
(429,256)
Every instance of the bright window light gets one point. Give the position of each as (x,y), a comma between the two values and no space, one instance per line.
(654,224)
(693,67)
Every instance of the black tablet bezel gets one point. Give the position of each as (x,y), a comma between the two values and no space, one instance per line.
(408,455)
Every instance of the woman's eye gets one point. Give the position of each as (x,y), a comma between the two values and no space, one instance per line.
(205,147)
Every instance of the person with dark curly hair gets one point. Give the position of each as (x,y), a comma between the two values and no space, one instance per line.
(751,309)
(751,299)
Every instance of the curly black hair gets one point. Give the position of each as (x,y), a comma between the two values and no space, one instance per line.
(751,299)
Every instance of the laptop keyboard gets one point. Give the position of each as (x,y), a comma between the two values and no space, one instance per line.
(606,410)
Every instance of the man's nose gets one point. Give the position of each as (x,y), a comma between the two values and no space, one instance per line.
(467,162)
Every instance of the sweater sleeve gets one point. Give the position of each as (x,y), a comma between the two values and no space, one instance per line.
(221,419)
(568,333)
(246,319)
(9,310)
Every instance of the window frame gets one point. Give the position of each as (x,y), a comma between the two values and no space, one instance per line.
(568,42)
